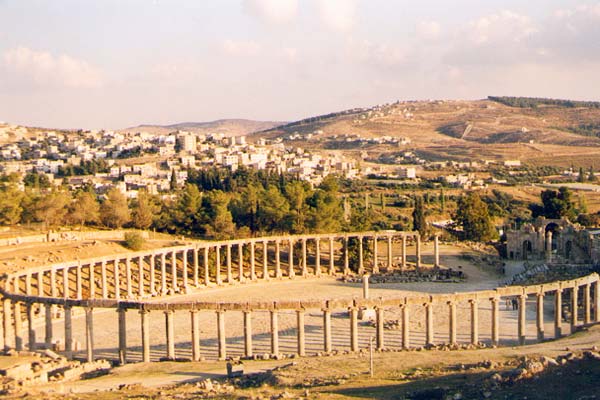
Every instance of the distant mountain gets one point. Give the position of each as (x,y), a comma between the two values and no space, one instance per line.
(228,127)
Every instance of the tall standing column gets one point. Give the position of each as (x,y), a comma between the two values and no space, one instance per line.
(53,280)
(418,250)
(104,280)
(274,333)
(174,284)
(141,279)
(587,316)
(379,327)
(229,271)
(300,335)
(453,322)
(317,257)
(18,326)
(28,284)
(252,262)
(68,331)
(558,313)
(495,320)
(117,279)
(540,316)
(196,268)
(30,327)
(241,277)
(92,280)
(184,270)
(429,323)
(128,278)
(291,272)
(574,308)
(248,333)
(152,267)
(304,259)
(278,259)
(66,293)
(361,264)
(7,323)
(221,334)
(474,321)
(79,281)
(89,333)
(331,256)
(597,301)
(405,326)
(404,251)
(327,330)
(122,335)
(353,328)
(265,260)
(195,334)
(170,334)
(48,316)
(436,250)
(163,274)
(390,259)
(218,265)
(375,267)
(145,335)
(549,246)
(522,318)
(346,256)
(206,270)
(40,283)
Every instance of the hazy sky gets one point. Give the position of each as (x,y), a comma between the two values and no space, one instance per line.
(118,63)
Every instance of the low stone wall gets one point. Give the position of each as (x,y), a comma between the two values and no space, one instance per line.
(68,236)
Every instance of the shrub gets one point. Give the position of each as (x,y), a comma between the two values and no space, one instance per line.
(134,241)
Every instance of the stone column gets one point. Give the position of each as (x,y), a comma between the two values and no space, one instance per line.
(549,246)
(68,331)
(92,281)
(196,268)
(128,278)
(429,323)
(265,260)
(452,321)
(474,321)
(206,269)
(122,335)
(145,335)
(353,311)
(558,313)
(597,301)
(152,275)
(574,308)
(317,257)
(365,280)
(390,258)
(89,333)
(304,259)
(104,280)
(346,259)
(522,318)
(7,323)
(79,281)
(274,333)
(587,316)
(218,264)
(361,264)
(28,284)
(404,251)
(170,334)
(327,330)
(248,333)
(277,259)
(30,327)
(495,321)
(331,257)
(48,317)
(375,268)
(379,327)
(252,262)
(436,250)
(184,270)
(141,279)
(291,272)
(117,279)
(300,338)
(221,334)
(40,283)
(229,271)
(195,334)
(18,326)
(163,274)
(66,292)
(405,326)
(241,277)
(174,284)
(540,316)
(418,250)
(53,289)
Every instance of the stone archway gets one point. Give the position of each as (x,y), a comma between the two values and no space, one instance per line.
(554,228)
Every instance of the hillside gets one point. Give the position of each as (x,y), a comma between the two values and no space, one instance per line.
(228,127)
(461,130)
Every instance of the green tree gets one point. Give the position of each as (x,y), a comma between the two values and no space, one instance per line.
(592,175)
(144,210)
(114,210)
(473,216)
(273,211)
(297,193)
(581,177)
(219,222)
(555,204)
(10,204)
(84,209)
(52,208)
(419,222)
(326,212)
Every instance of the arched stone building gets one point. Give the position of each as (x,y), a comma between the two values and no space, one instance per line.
(552,240)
